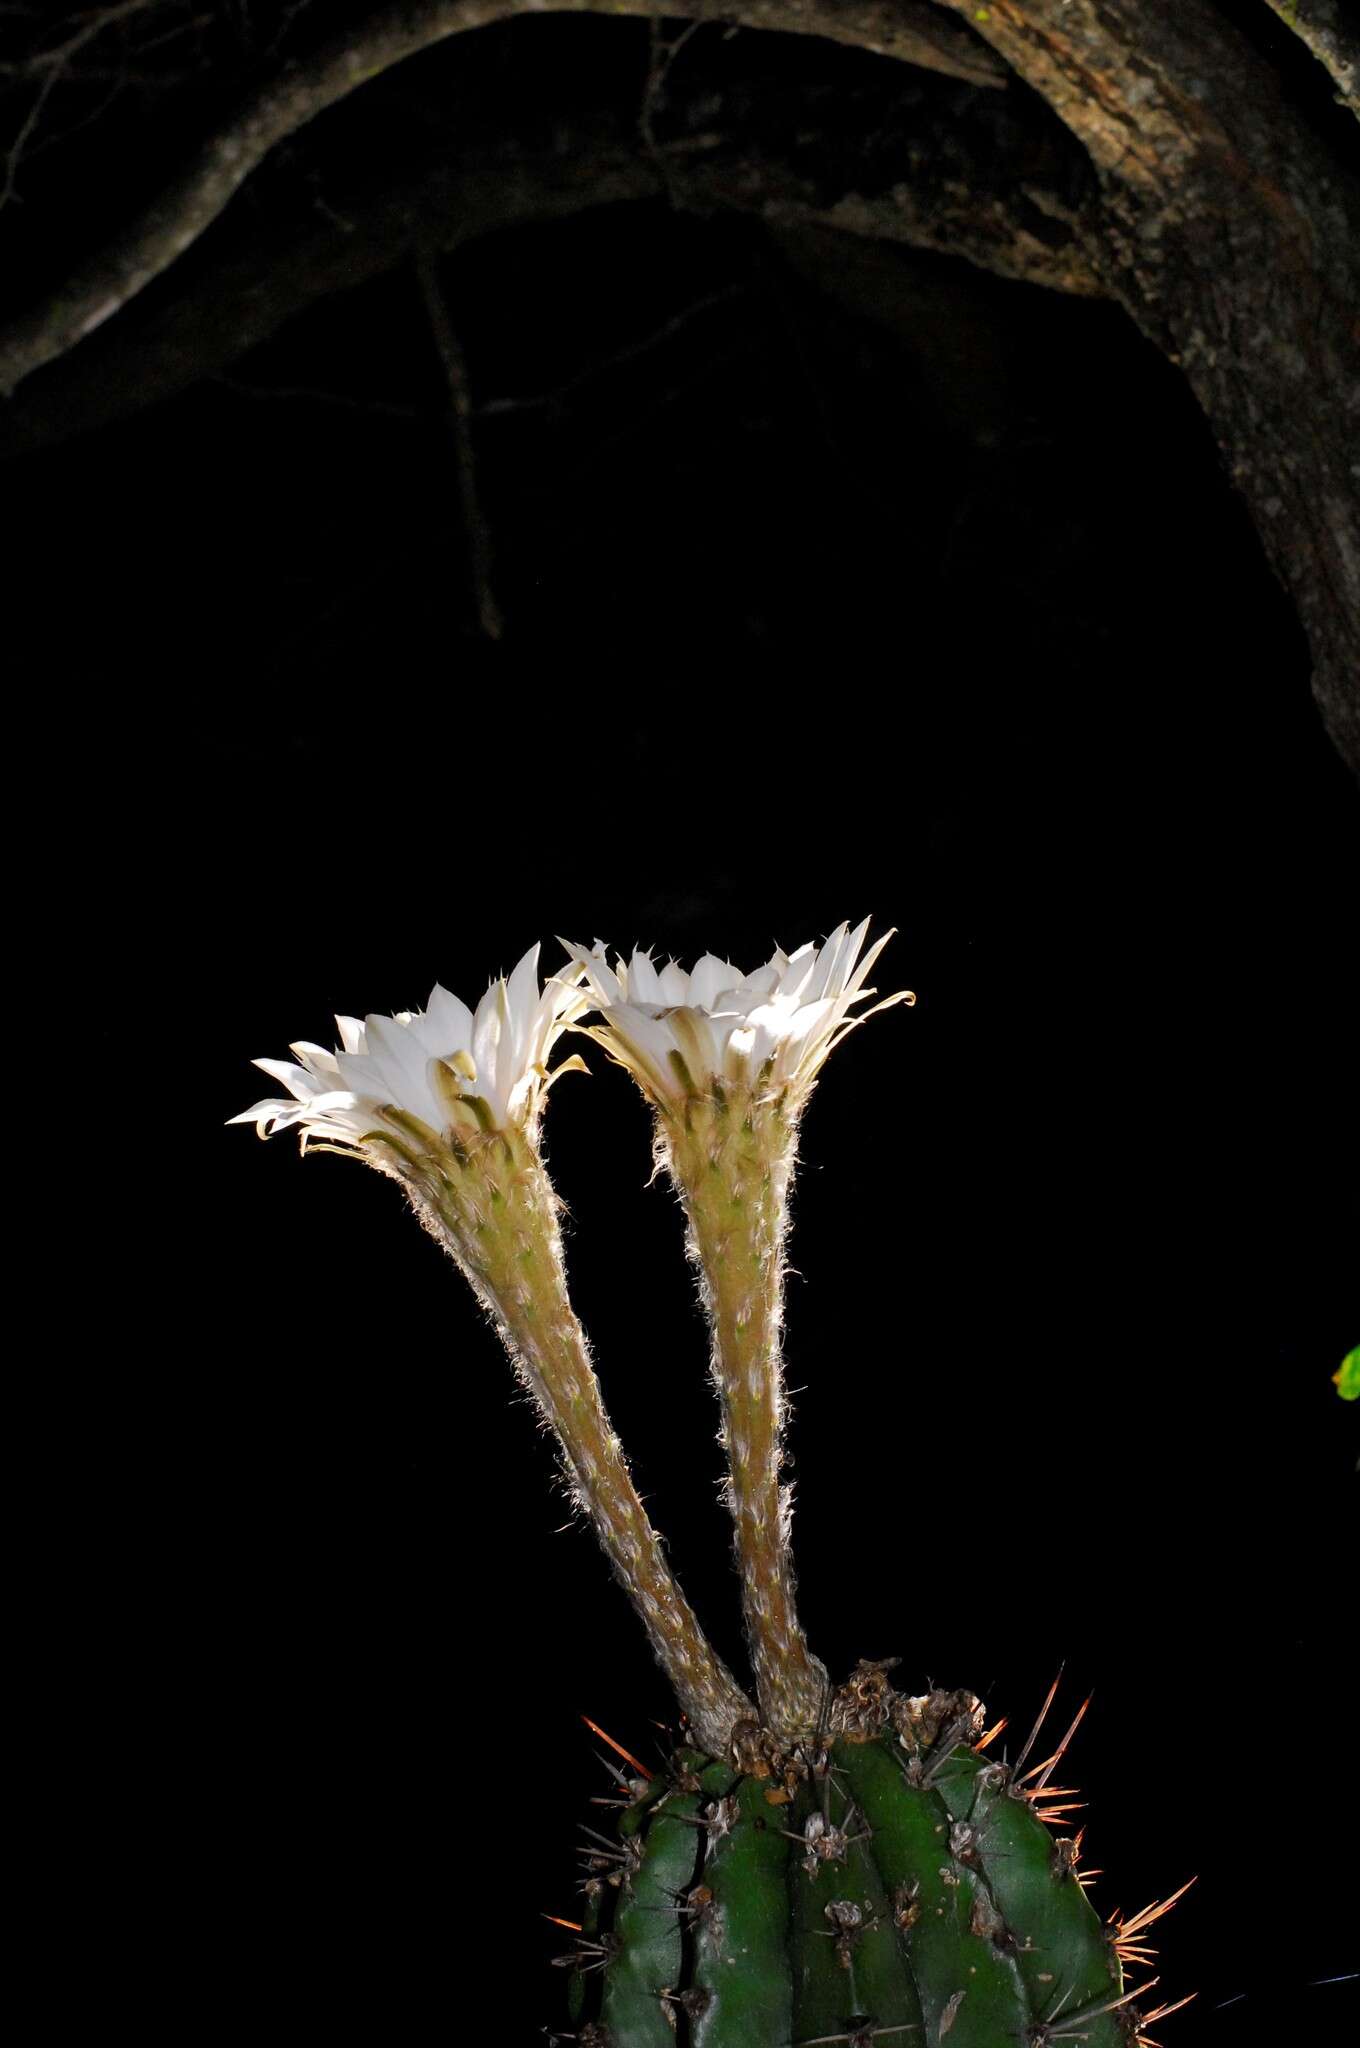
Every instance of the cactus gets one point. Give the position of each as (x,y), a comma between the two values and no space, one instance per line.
(825,1864)
(886,1879)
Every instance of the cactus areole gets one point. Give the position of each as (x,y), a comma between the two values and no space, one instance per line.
(818,1864)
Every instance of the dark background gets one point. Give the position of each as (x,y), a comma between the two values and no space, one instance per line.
(951,618)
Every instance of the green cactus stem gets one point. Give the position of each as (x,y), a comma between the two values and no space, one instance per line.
(886,1881)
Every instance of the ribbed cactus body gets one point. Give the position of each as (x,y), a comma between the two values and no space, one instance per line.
(857,1890)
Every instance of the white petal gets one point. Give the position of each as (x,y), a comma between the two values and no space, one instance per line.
(360,1075)
(650,1038)
(403,1065)
(763,1042)
(445,1026)
(708,975)
(738,1043)
(431,1042)
(865,968)
(299,1083)
(507,1051)
(809,1024)
(317,1060)
(601,977)
(764,982)
(674,983)
(797,973)
(845,966)
(644,983)
(398,1057)
(266,1111)
(698,1039)
(339,1102)
(486,1037)
(521,993)
(827,957)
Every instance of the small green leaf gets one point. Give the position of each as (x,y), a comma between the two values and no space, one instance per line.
(1347,1376)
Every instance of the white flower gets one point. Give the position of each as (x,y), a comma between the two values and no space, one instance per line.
(426,1063)
(679,1032)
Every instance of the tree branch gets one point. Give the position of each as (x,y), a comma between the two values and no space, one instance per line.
(55,65)
(1232,236)
(454,364)
(249,278)
(1228,230)
(1320,24)
(305,88)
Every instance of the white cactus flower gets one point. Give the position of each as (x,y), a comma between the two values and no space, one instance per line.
(446,1103)
(434,1065)
(679,1032)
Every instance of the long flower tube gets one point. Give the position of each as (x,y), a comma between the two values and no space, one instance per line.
(728,1061)
(447,1103)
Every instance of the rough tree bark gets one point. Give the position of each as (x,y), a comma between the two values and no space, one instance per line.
(1220,219)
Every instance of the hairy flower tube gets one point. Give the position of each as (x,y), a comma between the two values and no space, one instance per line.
(728,1061)
(447,1103)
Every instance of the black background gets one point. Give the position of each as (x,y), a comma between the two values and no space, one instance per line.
(801,626)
